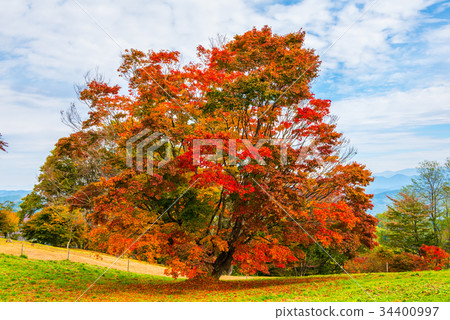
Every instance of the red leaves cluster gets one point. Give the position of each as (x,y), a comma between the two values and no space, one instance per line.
(258,256)
(434,257)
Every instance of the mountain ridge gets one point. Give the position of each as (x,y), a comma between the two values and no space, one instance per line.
(388,183)
(14,196)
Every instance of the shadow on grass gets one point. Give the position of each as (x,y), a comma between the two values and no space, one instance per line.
(158,290)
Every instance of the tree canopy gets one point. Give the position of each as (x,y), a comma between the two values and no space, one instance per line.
(208,213)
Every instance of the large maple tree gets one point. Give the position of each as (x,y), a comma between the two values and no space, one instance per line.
(232,210)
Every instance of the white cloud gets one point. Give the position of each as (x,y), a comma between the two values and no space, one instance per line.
(31,125)
(59,41)
(384,111)
(386,129)
(438,44)
(31,114)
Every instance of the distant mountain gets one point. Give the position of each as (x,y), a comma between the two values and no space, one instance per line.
(388,183)
(388,174)
(383,184)
(381,201)
(13,195)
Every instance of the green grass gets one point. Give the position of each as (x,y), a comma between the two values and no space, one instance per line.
(23,279)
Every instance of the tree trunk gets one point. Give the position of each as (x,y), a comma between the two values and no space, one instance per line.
(222,264)
(223,261)
(68,248)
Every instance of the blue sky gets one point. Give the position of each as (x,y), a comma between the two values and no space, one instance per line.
(387,76)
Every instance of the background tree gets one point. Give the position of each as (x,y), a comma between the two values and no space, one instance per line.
(373,261)
(55,211)
(430,187)
(315,261)
(57,226)
(3,144)
(30,204)
(434,257)
(7,205)
(406,223)
(446,210)
(70,166)
(9,220)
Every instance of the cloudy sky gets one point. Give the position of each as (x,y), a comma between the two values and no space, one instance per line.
(385,66)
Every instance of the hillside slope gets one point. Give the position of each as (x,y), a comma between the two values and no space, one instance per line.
(44,252)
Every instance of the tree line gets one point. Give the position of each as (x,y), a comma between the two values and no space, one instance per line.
(420,214)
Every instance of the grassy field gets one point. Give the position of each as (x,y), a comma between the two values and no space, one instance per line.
(23,279)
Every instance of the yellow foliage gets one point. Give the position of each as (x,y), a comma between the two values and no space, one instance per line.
(9,221)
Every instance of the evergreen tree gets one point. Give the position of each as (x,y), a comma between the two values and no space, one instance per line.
(405,223)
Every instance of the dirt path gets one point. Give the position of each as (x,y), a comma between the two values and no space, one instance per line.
(42,252)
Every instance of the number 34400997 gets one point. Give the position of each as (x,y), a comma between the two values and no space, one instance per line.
(409,311)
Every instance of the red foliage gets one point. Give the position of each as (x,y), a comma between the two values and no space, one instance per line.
(434,257)
(406,261)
